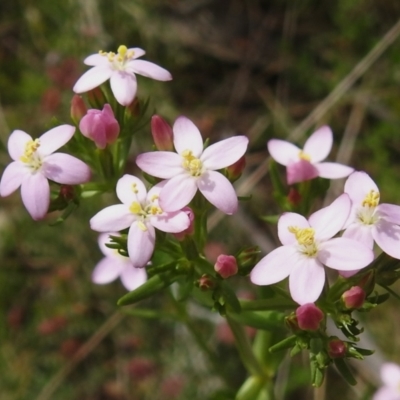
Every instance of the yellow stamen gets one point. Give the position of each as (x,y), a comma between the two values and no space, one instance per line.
(191,163)
(371,199)
(134,188)
(135,208)
(142,226)
(30,149)
(304,156)
(304,236)
(154,197)
(123,55)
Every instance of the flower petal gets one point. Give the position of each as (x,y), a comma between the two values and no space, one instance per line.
(65,169)
(103,239)
(344,254)
(92,78)
(300,171)
(275,266)
(319,144)
(387,237)
(387,393)
(283,152)
(112,218)
(218,191)
(53,139)
(187,136)
(287,220)
(96,60)
(161,164)
(358,185)
(360,232)
(107,270)
(35,193)
(124,86)
(390,375)
(141,244)
(178,192)
(12,178)
(330,170)
(224,153)
(150,70)
(130,189)
(173,222)
(132,277)
(16,143)
(137,52)
(390,212)
(306,281)
(328,221)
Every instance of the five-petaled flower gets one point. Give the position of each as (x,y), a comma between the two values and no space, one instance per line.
(115,265)
(369,220)
(35,162)
(193,168)
(141,213)
(302,165)
(390,375)
(307,247)
(120,68)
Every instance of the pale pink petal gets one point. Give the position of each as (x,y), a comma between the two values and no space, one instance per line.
(387,393)
(53,139)
(306,280)
(12,178)
(283,152)
(96,60)
(319,144)
(161,164)
(187,136)
(390,374)
(348,274)
(155,191)
(224,153)
(16,143)
(137,52)
(330,170)
(92,78)
(328,221)
(178,192)
(124,86)
(286,221)
(132,277)
(391,212)
(173,222)
(35,193)
(150,70)
(130,189)
(107,270)
(358,185)
(387,237)
(218,191)
(65,169)
(275,266)
(360,232)
(141,244)
(103,239)
(344,254)
(112,218)
(300,171)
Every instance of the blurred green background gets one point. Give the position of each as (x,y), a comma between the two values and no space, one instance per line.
(240,67)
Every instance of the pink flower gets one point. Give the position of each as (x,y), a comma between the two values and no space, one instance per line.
(302,165)
(370,221)
(35,162)
(226,266)
(100,126)
(120,68)
(114,265)
(390,375)
(192,168)
(141,213)
(307,247)
(309,317)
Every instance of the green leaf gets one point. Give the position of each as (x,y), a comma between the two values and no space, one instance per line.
(230,297)
(266,320)
(344,370)
(283,344)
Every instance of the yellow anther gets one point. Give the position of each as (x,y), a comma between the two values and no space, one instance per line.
(371,199)
(142,226)
(122,50)
(30,149)
(154,197)
(191,163)
(135,208)
(154,210)
(123,54)
(304,236)
(304,156)
(134,188)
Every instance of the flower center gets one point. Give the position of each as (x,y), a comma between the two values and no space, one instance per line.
(191,163)
(30,156)
(118,60)
(306,239)
(151,209)
(304,156)
(366,214)
(371,199)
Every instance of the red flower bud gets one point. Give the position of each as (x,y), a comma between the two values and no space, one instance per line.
(226,266)
(309,317)
(235,170)
(354,297)
(337,348)
(162,134)
(78,109)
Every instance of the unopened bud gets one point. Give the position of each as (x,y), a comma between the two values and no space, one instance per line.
(67,192)
(134,108)
(189,230)
(294,197)
(162,134)
(96,98)
(309,317)
(78,109)
(226,266)
(205,282)
(247,258)
(235,170)
(337,348)
(354,297)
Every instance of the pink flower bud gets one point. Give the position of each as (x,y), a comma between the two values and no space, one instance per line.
(100,126)
(78,109)
(354,297)
(235,170)
(226,266)
(309,317)
(96,97)
(205,282)
(294,197)
(336,348)
(189,230)
(162,134)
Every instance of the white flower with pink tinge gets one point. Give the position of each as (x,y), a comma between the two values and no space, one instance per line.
(141,213)
(120,68)
(307,247)
(35,162)
(370,221)
(303,165)
(192,168)
(390,375)
(114,265)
